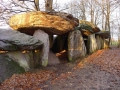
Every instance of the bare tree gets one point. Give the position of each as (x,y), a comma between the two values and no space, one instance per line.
(83,9)
(97,11)
(11,7)
(77,8)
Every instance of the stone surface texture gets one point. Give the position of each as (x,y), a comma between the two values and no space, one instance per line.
(76,46)
(42,36)
(99,44)
(53,59)
(91,43)
(8,67)
(106,44)
(28,60)
(13,40)
(87,23)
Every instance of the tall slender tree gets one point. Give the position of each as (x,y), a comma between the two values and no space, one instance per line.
(36,2)
(48,5)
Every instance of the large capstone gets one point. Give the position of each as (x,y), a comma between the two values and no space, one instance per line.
(87,23)
(87,28)
(50,22)
(42,36)
(76,46)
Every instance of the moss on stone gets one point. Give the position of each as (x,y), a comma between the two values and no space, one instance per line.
(14,66)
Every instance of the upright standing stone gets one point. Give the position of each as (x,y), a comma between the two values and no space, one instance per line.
(98,40)
(42,36)
(76,46)
(106,44)
(91,44)
(102,43)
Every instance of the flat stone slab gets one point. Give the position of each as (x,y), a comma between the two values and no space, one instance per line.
(87,23)
(50,22)
(104,34)
(13,40)
(87,28)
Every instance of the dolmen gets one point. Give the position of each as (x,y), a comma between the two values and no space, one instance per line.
(31,43)
(77,37)
(26,46)
(43,25)
(71,33)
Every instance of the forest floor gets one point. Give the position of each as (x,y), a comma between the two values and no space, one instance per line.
(98,71)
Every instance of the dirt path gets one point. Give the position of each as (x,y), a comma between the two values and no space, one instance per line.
(99,71)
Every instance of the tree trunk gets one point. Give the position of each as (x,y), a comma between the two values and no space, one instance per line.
(48,5)
(107,22)
(119,38)
(36,2)
(83,10)
(103,15)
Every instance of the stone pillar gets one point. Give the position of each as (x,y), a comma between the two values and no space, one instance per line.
(91,44)
(42,36)
(106,44)
(76,46)
(102,43)
(98,40)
